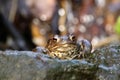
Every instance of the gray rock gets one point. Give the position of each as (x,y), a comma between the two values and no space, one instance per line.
(108,61)
(26,65)
(103,64)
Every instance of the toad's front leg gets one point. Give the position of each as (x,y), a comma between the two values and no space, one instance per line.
(85,48)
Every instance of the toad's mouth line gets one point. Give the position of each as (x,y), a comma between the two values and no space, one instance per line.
(64,47)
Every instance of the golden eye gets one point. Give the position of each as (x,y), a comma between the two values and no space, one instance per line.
(72,37)
(56,38)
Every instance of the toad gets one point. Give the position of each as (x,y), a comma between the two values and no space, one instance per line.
(67,47)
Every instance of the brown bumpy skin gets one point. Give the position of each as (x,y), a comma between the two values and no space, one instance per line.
(66,47)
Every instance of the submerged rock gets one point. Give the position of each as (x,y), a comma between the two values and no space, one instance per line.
(103,64)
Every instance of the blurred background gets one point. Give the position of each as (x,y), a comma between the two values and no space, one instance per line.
(25,24)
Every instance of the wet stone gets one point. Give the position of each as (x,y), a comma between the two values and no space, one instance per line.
(26,65)
(103,64)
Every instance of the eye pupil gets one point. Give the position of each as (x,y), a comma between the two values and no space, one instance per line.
(55,39)
(72,37)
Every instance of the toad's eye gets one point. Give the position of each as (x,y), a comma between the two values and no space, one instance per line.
(72,37)
(56,38)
